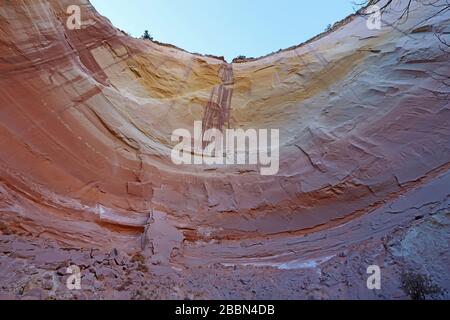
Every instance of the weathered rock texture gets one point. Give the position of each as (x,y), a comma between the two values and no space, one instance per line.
(86,118)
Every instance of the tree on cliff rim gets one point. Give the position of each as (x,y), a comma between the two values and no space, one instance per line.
(441,35)
(443,6)
(147,36)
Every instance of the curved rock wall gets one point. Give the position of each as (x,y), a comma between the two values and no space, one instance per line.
(86,118)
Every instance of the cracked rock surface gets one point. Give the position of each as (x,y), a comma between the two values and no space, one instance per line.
(86,178)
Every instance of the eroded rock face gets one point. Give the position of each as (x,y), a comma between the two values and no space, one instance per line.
(85,135)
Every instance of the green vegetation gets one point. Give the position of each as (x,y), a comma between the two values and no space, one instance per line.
(418,286)
(147,36)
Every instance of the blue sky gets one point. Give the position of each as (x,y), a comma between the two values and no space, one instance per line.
(226,27)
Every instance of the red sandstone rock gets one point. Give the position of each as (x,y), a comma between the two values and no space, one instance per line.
(86,118)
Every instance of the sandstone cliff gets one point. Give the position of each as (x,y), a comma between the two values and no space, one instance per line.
(86,118)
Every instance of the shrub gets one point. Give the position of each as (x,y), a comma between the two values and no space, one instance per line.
(147,36)
(418,286)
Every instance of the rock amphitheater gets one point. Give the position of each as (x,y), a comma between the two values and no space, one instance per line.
(87,179)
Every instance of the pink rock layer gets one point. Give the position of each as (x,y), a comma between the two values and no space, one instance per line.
(86,117)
